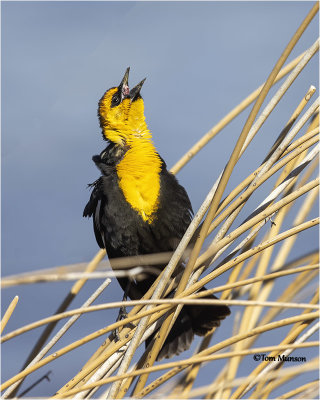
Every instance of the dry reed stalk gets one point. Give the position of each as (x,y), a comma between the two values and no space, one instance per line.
(9,312)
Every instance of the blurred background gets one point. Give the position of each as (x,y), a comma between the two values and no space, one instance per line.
(58,58)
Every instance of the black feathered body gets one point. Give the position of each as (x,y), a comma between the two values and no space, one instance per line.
(123,232)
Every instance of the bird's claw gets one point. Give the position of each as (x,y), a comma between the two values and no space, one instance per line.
(122,315)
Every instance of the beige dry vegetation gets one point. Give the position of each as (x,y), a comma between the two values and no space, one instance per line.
(250,280)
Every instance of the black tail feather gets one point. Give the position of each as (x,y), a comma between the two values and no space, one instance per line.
(192,320)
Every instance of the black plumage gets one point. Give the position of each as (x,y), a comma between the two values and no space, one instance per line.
(122,232)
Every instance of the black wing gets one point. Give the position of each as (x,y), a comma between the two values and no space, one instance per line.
(93,209)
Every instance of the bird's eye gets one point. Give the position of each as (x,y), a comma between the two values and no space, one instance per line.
(116,99)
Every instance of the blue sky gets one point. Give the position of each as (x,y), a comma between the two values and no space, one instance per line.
(200,59)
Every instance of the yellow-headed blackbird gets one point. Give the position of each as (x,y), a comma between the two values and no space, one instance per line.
(138,207)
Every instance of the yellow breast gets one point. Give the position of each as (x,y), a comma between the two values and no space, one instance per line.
(139,176)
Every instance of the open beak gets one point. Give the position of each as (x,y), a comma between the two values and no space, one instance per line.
(124,87)
(135,92)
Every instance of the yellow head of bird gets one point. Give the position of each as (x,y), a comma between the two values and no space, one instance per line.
(121,113)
